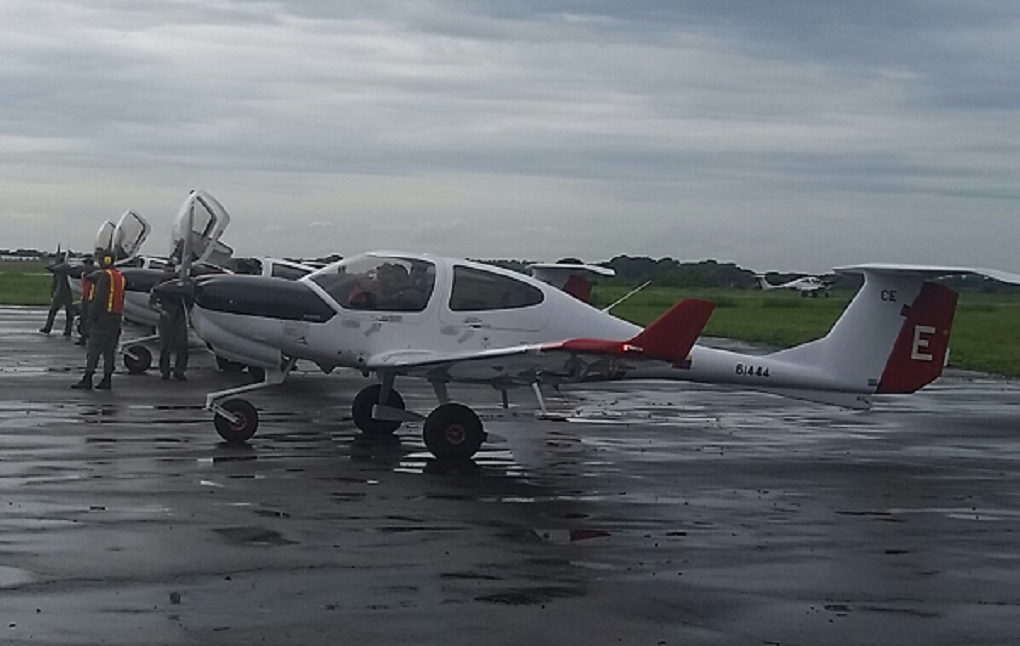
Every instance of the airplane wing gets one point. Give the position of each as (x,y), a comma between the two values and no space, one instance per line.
(668,339)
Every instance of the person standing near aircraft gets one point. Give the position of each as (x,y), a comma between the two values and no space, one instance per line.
(104,323)
(173,329)
(87,287)
(60,297)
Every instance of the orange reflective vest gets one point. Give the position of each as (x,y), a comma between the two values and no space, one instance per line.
(114,303)
(88,289)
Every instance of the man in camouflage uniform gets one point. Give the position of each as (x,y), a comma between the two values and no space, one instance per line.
(60,297)
(87,269)
(173,330)
(104,323)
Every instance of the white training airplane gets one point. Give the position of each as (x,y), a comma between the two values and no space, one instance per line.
(447,321)
(807,285)
(442,319)
(122,241)
(208,221)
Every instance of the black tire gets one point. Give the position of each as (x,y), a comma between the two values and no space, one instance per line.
(137,359)
(226,365)
(361,410)
(453,431)
(246,425)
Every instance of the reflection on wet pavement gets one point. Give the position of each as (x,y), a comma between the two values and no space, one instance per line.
(652,514)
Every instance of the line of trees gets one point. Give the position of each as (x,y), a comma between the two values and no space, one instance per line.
(634,270)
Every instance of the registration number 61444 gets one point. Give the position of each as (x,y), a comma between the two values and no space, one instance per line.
(752,371)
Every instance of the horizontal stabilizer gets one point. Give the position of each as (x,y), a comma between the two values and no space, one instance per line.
(668,338)
(574,279)
(931,271)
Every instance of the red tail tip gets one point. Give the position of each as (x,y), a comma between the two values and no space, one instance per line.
(920,350)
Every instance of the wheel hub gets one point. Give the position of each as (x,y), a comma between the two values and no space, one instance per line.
(240,423)
(455,434)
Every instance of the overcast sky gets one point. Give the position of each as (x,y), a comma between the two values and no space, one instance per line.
(779,135)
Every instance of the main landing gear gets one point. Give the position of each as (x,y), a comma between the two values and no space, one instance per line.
(450,431)
(453,431)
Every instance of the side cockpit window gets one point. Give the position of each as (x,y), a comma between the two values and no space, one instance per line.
(476,290)
(384,284)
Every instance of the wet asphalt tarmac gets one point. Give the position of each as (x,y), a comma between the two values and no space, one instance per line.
(652,516)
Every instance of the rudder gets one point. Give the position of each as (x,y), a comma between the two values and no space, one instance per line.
(919,354)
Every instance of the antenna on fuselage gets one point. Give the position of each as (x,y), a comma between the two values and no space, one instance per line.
(637,289)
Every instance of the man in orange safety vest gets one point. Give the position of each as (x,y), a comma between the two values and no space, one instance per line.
(104,320)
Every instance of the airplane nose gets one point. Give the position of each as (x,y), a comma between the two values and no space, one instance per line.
(261,296)
(174,289)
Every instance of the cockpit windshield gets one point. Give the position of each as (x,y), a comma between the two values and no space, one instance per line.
(379,283)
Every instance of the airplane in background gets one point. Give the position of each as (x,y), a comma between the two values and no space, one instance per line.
(122,241)
(807,285)
(210,255)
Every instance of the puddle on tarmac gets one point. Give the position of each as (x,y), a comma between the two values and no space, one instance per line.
(26,370)
(565,536)
(12,576)
(499,462)
(256,536)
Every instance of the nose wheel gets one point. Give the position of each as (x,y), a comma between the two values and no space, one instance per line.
(453,431)
(137,359)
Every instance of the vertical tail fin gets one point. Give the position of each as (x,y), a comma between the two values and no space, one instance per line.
(572,277)
(761,283)
(579,287)
(884,336)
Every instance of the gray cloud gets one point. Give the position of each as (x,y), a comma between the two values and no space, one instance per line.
(784,135)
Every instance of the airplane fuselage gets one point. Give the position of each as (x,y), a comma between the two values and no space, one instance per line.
(462,312)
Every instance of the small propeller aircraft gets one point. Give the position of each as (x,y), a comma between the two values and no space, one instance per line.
(446,321)
(122,241)
(441,319)
(807,285)
(210,255)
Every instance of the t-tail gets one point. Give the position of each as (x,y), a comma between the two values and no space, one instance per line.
(893,338)
(573,278)
(762,283)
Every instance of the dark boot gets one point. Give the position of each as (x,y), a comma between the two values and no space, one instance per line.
(85,383)
(104,384)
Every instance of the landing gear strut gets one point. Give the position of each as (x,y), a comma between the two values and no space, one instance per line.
(236,420)
(363,407)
